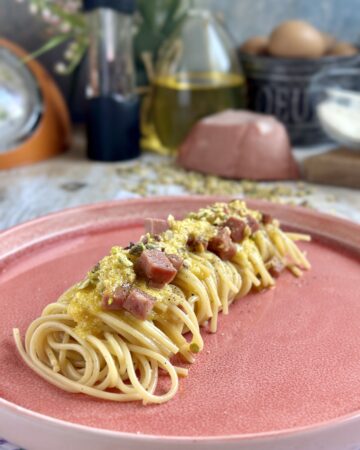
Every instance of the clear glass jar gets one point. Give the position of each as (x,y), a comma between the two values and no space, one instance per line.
(197,74)
(336,95)
(111,67)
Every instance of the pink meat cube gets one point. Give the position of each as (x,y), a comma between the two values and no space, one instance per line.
(139,303)
(156,267)
(222,245)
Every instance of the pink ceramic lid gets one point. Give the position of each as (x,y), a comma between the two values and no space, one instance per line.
(282,359)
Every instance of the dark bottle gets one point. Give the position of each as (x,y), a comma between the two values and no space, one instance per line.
(112,117)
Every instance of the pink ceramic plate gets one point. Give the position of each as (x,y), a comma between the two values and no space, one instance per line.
(281,373)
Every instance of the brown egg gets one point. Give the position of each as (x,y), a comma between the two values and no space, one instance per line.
(343,49)
(257,45)
(330,42)
(296,39)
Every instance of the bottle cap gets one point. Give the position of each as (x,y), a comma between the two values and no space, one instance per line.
(122,6)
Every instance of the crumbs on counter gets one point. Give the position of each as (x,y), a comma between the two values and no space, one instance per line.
(152,178)
(330,198)
(72,186)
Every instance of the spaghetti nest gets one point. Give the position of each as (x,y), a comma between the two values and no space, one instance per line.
(84,344)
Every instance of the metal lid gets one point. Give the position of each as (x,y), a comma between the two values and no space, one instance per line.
(122,6)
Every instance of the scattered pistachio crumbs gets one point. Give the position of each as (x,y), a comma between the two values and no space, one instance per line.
(154,177)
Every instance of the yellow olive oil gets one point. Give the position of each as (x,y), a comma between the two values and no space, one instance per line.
(178,102)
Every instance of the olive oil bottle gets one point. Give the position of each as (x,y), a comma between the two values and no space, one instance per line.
(198,74)
(178,104)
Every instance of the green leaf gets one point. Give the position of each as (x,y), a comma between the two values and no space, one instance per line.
(49,45)
(74,19)
(170,27)
(148,13)
(160,18)
(75,61)
(173,9)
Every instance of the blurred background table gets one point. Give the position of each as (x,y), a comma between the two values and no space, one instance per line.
(71,180)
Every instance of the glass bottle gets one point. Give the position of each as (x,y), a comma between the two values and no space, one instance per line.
(197,74)
(112,103)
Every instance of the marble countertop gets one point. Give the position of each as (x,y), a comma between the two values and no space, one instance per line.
(71,180)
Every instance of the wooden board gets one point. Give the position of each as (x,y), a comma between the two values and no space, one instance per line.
(340,167)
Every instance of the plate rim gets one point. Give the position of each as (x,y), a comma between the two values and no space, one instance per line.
(287,432)
(308,214)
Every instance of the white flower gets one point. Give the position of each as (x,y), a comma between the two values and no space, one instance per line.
(60,68)
(46,13)
(69,54)
(33,8)
(53,20)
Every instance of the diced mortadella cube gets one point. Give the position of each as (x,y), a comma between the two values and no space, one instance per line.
(156,267)
(237,227)
(222,245)
(116,301)
(197,243)
(139,303)
(253,223)
(266,218)
(155,226)
(175,260)
(276,267)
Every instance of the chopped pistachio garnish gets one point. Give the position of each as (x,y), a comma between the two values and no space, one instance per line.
(137,249)
(164,176)
(194,348)
(151,246)
(124,261)
(84,284)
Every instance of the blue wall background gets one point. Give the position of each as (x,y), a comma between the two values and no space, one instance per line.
(249,17)
(244,18)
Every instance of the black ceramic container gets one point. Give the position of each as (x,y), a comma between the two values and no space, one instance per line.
(281,87)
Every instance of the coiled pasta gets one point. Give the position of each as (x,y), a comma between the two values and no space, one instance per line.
(121,357)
